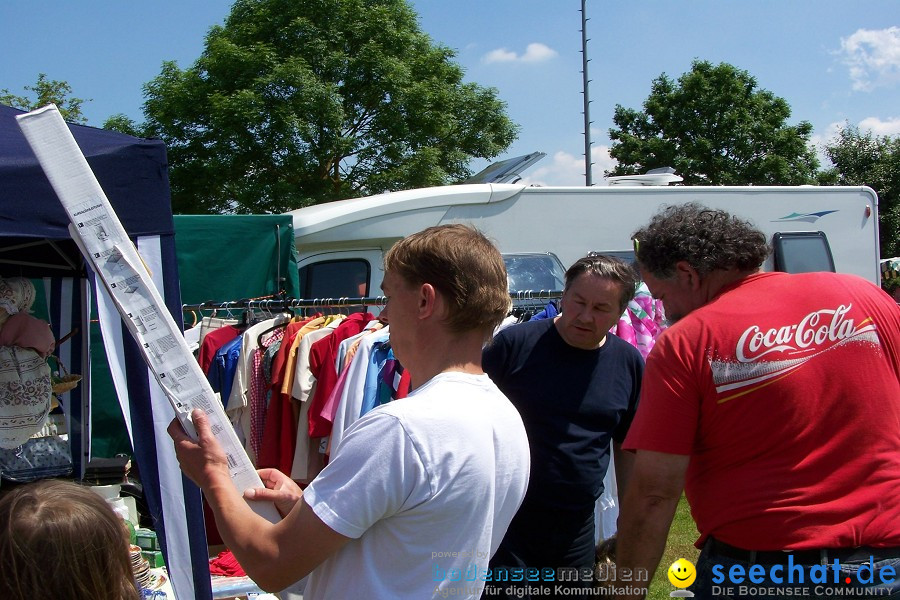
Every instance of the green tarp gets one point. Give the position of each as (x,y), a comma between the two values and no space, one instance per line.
(230,257)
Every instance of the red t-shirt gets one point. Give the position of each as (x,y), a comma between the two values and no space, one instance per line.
(785,392)
(322,355)
(280,434)
(213,341)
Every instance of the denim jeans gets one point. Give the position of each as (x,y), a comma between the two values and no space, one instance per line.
(717,584)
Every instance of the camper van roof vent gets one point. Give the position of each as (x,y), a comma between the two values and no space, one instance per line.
(661,176)
(506,171)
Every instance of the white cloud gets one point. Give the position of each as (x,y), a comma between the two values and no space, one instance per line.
(568,169)
(873,57)
(534,52)
(500,55)
(876,125)
(819,140)
(880,128)
(602,162)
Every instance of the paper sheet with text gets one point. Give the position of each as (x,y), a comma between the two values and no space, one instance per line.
(105,245)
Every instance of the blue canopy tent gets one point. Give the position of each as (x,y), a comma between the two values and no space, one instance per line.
(35,242)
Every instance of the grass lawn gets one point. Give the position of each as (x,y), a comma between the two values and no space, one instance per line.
(680,544)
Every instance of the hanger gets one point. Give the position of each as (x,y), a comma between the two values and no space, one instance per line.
(259,338)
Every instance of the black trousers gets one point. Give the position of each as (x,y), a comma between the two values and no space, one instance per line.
(540,542)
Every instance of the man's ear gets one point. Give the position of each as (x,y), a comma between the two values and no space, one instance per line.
(428,299)
(687,275)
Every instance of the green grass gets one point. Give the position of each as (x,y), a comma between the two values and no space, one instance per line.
(680,544)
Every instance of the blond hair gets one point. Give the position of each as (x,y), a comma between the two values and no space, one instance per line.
(463,266)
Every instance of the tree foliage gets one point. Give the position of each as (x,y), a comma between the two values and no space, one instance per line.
(46,92)
(121,123)
(300,102)
(715,127)
(866,159)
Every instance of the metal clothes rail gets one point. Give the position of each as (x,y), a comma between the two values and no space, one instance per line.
(277,304)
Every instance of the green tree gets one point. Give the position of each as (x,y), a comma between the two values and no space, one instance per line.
(866,159)
(293,103)
(48,92)
(121,123)
(715,128)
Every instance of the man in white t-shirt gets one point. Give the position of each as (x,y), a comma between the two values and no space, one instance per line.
(420,491)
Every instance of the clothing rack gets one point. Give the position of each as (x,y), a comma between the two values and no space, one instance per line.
(274,304)
(277,304)
(528,295)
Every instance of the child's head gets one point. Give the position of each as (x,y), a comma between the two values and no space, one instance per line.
(61,540)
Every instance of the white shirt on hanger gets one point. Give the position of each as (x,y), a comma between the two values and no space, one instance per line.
(301,391)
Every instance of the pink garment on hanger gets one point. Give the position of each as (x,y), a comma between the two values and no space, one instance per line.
(329,409)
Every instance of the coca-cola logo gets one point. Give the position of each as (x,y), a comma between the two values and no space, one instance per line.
(822,327)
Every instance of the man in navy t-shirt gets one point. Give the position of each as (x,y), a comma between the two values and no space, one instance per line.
(576,388)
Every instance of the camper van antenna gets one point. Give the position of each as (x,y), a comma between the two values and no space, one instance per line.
(588,180)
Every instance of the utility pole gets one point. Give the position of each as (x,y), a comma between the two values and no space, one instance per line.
(587,109)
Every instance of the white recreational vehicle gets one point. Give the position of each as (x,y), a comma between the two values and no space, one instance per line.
(341,243)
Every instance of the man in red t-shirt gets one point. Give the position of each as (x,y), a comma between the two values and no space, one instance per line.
(774,403)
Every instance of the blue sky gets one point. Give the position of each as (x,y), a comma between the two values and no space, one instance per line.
(834,61)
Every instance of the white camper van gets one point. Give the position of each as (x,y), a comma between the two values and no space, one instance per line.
(341,243)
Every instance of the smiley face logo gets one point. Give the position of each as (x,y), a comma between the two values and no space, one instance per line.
(682,573)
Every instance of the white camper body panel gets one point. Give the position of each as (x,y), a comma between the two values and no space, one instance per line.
(572,221)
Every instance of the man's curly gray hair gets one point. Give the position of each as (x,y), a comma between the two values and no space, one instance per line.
(707,239)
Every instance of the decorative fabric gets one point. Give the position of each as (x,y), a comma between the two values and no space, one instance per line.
(642,321)
(25,391)
(17,294)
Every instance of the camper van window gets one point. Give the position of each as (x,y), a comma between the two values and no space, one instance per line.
(335,279)
(626,255)
(534,272)
(802,252)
